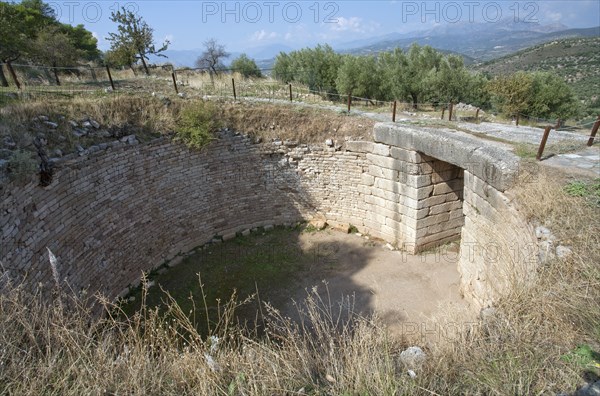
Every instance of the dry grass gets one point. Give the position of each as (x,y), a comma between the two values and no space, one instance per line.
(152,116)
(294,122)
(62,348)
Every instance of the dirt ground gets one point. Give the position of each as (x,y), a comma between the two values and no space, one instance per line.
(406,292)
(350,273)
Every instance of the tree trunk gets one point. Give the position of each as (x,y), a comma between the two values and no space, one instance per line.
(415,102)
(92,73)
(3,80)
(48,74)
(212,78)
(55,73)
(144,63)
(13,75)
(133,69)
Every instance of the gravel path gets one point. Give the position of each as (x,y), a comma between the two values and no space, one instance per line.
(586,162)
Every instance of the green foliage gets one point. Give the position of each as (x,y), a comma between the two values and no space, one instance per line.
(134,38)
(21,165)
(511,93)
(54,47)
(538,94)
(357,75)
(26,25)
(551,97)
(577,189)
(245,66)
(576,61)
(454,83)
(584,356)
(282,69)
(196,124)
(119,56)
(83,41)
(590,190)
(421,74)
(315,67)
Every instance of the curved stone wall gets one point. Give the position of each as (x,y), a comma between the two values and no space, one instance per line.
(127,208)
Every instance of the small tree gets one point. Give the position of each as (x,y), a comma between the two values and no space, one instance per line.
(135,37)
(539,94)
(212,58)
(246,67)
(512,93)
(19,25)
(83,40)
(358,75)
(53,47)
(282,68)
(119,57)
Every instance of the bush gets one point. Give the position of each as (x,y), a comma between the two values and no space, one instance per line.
(21,165)
(196,124)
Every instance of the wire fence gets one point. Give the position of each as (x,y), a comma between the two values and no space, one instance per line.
(30,82)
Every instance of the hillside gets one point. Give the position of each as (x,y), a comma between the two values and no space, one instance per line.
(577,60)
(478,42)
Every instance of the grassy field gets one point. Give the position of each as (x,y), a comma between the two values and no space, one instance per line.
(269,262)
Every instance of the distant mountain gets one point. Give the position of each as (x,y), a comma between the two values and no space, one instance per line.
(475,42)
(479,42)
(457,29)
(187,58)
(267,51)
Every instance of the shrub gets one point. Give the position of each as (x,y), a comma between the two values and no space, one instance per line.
(21,165)
(196,124)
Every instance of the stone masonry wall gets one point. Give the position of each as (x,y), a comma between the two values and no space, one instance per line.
(127,208)
(498,248)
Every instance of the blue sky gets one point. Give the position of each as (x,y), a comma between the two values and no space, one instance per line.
(240,25)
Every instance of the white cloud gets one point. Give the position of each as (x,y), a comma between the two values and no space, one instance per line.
(343,24)
(262,35)
(353,24)
(553,16)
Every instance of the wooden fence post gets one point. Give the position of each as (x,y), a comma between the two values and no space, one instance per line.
(291,97)
(451,108)
(477,115)
(233,85)
(517,122)
(174,82)
(443,111)
(112,84)
(594,131)
(394,112)
(349,101)
(543,143)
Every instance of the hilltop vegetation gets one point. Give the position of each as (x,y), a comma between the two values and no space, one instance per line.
(577,61)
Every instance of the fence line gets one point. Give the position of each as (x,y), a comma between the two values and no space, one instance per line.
(36,80)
